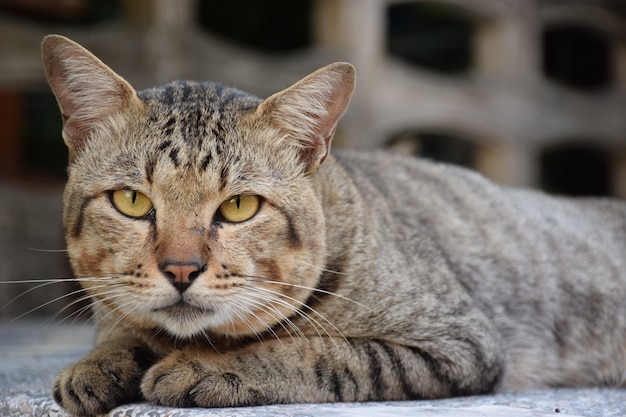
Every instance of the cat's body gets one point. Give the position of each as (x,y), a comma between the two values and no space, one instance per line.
(233,261)
(548,273)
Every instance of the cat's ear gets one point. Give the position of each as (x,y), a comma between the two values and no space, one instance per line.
(309,110)
(87,91)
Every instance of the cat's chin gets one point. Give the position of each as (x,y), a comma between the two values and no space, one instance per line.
(184,320)
(183,309)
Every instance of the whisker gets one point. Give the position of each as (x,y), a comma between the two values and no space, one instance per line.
(78,313)
(112,292)
(298,311)
(271,298)
(46,250)
(266,293)
(39,281)
(50,281)
(61,280)
(315,323)
(157,332)
(23,293)
(322,268)
(246,320)
(206,337)
(279,317)
(48,303)
(42,283)
(241,315)
(117,308)
(122,316)
(70,294)
(303,287)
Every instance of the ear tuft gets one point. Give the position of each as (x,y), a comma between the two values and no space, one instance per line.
(308,111)
(87,91)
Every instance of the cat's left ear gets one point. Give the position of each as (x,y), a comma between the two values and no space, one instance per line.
(309,110)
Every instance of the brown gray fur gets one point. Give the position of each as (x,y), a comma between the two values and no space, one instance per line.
(362,276)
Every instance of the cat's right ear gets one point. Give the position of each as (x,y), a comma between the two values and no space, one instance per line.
(88,92)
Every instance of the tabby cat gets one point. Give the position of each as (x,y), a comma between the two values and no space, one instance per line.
(233,260)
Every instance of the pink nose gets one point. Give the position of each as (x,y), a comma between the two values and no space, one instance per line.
(182,275)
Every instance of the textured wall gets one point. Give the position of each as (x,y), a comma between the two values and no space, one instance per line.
(30,227)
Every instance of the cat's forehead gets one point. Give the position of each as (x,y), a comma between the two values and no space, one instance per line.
(209,97)
(192,139)
(194,123)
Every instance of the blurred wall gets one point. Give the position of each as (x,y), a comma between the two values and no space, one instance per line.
(529,92)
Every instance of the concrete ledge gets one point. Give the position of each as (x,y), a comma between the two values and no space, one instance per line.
(32,353)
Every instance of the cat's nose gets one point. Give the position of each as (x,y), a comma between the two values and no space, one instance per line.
(182,275)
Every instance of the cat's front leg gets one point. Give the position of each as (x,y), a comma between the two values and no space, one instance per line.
(307,370)
(107,377)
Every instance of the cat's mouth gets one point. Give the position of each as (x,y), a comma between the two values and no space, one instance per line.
(184,309)
(184,319)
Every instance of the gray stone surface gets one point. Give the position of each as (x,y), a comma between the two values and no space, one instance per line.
(32,353)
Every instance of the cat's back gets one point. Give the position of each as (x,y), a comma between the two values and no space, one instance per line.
(550,272)
(454,202)
(493,232)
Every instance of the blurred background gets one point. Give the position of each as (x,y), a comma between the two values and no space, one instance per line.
(531,93)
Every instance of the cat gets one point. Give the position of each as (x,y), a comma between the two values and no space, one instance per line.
(233,260)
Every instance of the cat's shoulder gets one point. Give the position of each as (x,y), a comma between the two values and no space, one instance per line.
(395,168)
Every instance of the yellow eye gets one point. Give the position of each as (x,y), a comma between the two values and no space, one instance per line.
(131,203)
(240,208)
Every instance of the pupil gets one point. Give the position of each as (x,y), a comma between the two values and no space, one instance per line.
(134,197)
(238,201)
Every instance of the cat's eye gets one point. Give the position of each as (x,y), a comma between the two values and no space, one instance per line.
(240,208)
(131,203)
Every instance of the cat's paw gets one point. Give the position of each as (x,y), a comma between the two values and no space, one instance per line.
(182,380)
(102,380)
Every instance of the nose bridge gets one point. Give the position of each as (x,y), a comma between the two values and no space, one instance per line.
(181,243)
(182,252)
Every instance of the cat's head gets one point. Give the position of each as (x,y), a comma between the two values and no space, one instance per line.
(193,206)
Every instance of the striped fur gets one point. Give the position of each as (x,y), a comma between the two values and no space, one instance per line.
(361,277)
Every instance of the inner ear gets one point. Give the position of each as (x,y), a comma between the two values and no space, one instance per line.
(308,111)
(87,91)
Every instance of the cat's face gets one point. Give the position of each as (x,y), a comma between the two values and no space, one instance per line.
(193,207)
(174,190)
